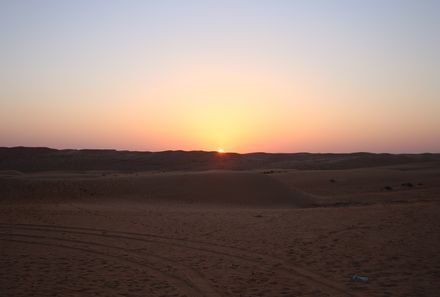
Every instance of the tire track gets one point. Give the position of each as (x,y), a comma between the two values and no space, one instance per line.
(131,263)
(287,271)
(194,278)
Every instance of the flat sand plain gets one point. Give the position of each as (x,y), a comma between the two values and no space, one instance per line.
(273,232)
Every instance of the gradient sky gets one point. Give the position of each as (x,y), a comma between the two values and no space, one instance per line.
(274,75)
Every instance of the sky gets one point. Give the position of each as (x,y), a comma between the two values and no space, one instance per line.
(241,75)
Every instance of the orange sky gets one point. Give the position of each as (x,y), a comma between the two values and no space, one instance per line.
(243,76)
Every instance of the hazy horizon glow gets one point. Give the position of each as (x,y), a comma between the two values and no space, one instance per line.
(244,76)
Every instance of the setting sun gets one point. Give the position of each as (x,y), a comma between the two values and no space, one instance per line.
(251,76)
(113,119)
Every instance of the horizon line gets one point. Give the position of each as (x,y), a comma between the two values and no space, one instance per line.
(213,151)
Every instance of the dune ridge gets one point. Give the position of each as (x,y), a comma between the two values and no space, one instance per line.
(221,188)
(29,159)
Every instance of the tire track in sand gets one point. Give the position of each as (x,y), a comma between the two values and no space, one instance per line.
(193,279)
(283,269)
(130,263)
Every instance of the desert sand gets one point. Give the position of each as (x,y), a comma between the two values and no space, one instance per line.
(264,230)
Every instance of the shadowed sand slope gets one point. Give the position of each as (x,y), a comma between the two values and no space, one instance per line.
(221,188)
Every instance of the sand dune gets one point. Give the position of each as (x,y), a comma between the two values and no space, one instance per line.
(260,232)
(215,188)
(44,159)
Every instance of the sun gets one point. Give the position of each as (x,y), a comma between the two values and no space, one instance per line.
(220,151)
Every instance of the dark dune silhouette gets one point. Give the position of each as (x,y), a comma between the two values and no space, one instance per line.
(41,159)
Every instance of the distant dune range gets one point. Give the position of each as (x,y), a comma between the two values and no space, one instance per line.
(44,159)
(259,180)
